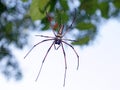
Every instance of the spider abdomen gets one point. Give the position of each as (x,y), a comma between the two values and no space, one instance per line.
(58,41)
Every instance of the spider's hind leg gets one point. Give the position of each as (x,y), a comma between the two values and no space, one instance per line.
(74,51)
(65,64)
(44,61)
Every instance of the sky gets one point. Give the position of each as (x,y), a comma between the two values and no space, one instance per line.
(99,67)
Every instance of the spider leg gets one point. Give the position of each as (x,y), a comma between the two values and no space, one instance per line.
(67,29)
(65,64)
(53,31)
(56,48)
(74,51)
(70,40)
(43,61)
(36,45)
(50,20)
(44,36)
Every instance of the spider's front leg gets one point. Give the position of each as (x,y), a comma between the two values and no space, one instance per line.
(35,46)
(44,36)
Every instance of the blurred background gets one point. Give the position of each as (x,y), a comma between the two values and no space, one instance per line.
(96,30)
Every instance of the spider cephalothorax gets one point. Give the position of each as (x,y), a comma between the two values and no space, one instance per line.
(57,39)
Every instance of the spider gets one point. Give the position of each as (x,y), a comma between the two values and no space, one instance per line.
(57,40)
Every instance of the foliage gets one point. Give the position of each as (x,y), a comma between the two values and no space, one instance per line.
(21,15)
(12,25)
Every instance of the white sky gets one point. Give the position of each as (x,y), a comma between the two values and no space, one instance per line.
(99,64)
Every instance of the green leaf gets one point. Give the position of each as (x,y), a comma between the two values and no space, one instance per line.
(36,7)
(8,28)
(89,6)
(85,26)
(64,4)
(117,3)
(61,16)
(82,41)
(104,7)
(24,0)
